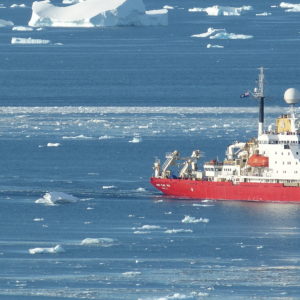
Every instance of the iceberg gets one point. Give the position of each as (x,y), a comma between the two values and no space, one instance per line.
(28,41)
(96,13)
(4,23)
(217,10)
(213,33)
(53,198)
(290,7)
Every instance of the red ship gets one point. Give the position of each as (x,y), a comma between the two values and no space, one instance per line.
(265,168)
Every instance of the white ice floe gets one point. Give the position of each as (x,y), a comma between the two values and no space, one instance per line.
(170,231)
(188,219)
(96,13)
(22,28)
(53,198)
(214,46)
(168,7)
(38,219)
(105,137)
(53,144)
(131,274)
(141,232)
(18,6)
(5,23)
(100,242)
(149,227)
(77,137)
(141,190)
(263,14)
(290,7)
(108,187)
(214,33)
(217,10)
(28,41)
(135,140)
(56,249)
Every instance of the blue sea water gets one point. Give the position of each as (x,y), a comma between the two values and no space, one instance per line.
(69,117)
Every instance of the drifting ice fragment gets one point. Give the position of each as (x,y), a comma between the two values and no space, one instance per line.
(4,23)
(217,10)
(213,33)
(96,13)
(30,41)
(53,198)
(214,46)
(56,249)
(18,6)
(188,219)
(53,144)
(102,242)
(290,7)
(22,28)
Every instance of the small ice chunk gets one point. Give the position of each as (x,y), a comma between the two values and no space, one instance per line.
(141,190)
(218,10)
(105,137)
(56,249)
(38,219)
(52,198)
(18,6)
(214,46)
(141,232)
(29,41)
(53,144)
(188,219)
(149,227)
(108,187)
(215,33)
(131,274)
(170,231)
(263,14)
(101,242)
(4,23)
(290,7)
(168,7)
(22,28)
(135,140)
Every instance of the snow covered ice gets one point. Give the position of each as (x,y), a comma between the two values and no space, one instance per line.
(29,41)
(217,10)
(213,33)
(52,250)
(53,198)
(5,23)
(96,13)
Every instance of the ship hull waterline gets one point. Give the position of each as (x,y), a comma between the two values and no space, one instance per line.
(210,190)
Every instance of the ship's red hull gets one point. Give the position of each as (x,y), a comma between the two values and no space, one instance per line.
(198,189)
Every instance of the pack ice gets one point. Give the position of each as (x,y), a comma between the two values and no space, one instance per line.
(96,13)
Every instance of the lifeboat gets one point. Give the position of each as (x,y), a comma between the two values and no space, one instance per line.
(257,160)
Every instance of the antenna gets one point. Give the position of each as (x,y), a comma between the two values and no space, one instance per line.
(258,93)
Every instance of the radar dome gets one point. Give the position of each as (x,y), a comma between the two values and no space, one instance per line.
(291,96)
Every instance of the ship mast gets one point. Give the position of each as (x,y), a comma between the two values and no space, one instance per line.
(258,93)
